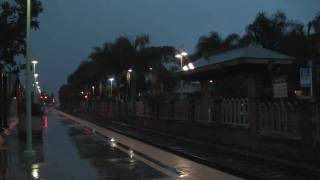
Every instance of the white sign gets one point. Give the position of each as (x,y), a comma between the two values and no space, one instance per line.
(305,77)
(279,85)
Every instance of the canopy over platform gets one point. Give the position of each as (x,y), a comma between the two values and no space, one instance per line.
(251,59)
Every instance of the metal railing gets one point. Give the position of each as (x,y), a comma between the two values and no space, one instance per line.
(235,111)
(279,119)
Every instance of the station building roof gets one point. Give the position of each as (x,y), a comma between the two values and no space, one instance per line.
(255,52)
(250,58)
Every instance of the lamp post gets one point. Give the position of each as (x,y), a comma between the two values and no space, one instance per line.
(34,63)
(35,76)
(180,56)
(28,150)
(129,82)
(111,80)
(92,91)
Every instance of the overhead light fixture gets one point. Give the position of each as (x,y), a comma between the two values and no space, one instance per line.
(185,68)
(190,66)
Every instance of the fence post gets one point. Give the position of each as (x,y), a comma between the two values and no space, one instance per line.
(5,101)
(252,106)
(306,116)
(1,99)
(192,110)
(204,100)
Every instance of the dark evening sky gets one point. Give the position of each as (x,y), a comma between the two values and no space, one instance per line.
(70,28)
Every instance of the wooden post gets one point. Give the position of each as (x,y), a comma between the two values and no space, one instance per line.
(307,114)
(5,101)
(1,99)
(133,92)
(252,105)
(204,100)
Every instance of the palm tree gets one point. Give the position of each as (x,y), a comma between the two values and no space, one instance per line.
(141,41)
(208,45)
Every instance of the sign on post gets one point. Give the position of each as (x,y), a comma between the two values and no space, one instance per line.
(305,77)
(279,85)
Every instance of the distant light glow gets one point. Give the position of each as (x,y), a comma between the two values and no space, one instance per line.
(35,171)
(150,68)
(131,153)
(191,66)
(111,79)
(45,121)
(112,140)
(183,173)
(178,56)
(211,81)
(36,75)
(92,87)
(129,70)
(113,144)
(34,62)
(185,68)
(184,53)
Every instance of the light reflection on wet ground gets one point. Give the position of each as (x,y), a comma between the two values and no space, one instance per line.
(69,151)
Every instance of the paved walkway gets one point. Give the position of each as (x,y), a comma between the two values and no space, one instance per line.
(72,148)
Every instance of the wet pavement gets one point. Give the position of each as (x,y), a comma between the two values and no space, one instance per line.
(69,150)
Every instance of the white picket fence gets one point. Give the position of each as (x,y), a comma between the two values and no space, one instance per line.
(316,123)
(279,119)
(235,111)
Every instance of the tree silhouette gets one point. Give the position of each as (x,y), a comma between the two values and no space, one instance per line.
(12,28)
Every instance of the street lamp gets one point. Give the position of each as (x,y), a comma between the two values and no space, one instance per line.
(180,56)
(111,80)
(34,63)
(28,150)
(184,53)
(35,76)
(92,91)
(191,66)
(185,68)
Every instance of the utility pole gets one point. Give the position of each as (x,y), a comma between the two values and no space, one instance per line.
(28,150)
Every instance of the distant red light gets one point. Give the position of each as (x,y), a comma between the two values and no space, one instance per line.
(45,121)
(86,96)
(46,97)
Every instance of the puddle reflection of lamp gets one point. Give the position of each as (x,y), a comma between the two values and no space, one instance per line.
(113,143)
(35,171)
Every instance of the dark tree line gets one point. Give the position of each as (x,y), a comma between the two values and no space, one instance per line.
(274,32)
(149,65)
(113,59)
(13,30)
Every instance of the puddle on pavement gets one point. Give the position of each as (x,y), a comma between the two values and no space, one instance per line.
(70,151)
